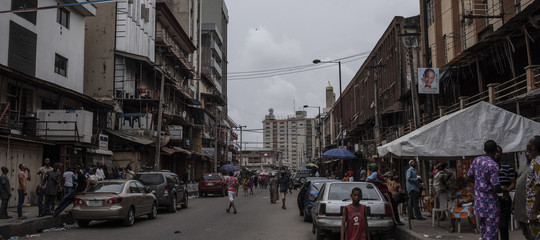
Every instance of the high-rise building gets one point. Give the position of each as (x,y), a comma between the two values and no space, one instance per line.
(293,136)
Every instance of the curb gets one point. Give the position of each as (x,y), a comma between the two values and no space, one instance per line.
(34,225)
(404,233)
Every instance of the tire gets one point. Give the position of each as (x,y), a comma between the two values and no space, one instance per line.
(301,212)
(83,223)
(172,204)
(185,203)
(130,218)
(153,213)
(319,234)
(200,194)
(307,217)
(313,228)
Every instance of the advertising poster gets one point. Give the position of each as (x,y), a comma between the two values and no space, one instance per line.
(428,80)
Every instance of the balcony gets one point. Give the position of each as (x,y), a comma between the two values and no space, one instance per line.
(216,67)
(216,50)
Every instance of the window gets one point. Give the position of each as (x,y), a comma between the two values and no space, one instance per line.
(62,17)
(30,16)
(60,65)
(430,16)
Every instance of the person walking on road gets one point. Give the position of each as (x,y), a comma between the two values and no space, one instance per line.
(53,179)
(69,177)
(533,187)
(519,205)
(41,184)
(274,193)
(232,189)
(484,171)
(69,194)
(414,192)
(283,188)
(5,193)
(22,189)
(354,221)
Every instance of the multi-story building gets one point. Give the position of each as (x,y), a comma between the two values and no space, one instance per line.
(294,137)
(43,111)
(213,84)
(263,159)
(138,56)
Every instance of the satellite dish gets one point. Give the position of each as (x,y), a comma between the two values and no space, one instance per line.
(184,113)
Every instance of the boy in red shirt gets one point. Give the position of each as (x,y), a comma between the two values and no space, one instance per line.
(354,222)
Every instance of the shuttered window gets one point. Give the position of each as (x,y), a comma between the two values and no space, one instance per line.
(22,49)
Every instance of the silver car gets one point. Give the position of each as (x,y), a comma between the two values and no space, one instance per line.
(334,196)
(114,200)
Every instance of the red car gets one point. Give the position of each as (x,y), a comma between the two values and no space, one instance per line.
(212,183)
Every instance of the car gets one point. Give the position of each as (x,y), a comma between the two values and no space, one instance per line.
(299,179)
(334,196)
(308,193)
(113,200)
(212,183)
(170,191)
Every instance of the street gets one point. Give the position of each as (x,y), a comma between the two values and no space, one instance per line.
(205,218)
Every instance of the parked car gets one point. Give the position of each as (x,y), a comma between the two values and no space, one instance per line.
(113,200)
(299,179)
(212,183)
(169,190)
(308,193)
(334,196)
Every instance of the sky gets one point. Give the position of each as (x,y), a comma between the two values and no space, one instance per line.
(272,44)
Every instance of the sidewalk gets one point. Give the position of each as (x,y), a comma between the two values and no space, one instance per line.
(423,230)
(33,224)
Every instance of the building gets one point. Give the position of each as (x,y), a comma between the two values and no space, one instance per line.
(213,84)
(294,137)
(41,82)
(264,159)
(138,56)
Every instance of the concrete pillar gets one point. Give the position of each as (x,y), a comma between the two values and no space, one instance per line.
(441,111)
(462,102)
(491,92)
(530,70)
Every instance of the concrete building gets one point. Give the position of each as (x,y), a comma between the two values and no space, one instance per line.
(41,84)
(263,159)
(294,137)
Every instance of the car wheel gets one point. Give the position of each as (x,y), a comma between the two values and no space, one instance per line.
(185,204)
(307,217)
(83,223)
(153,213)
(130,217)
(313,228)
(319,234)
(172,204)
(200,194)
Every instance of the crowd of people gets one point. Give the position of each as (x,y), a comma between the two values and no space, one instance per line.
(57,185)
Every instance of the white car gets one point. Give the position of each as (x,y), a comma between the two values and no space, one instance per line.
(334,196)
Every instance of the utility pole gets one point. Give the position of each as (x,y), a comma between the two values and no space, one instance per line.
(216,141)
(241,154)
(410,43)
(159,119)
(375,67)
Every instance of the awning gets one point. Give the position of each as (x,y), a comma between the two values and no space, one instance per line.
(173,150)
(464,133)
(29,139)
(181,150)
(100,151)
(126,136)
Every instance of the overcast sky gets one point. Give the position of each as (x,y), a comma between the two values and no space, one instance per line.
(285,36)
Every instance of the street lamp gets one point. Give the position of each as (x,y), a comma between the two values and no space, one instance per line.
(319,127)
(317,61)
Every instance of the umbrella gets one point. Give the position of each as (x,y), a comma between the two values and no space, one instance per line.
(312,165)
(228,168)
(339,153)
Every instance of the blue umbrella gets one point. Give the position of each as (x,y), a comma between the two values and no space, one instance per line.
(339,153)
(228,168)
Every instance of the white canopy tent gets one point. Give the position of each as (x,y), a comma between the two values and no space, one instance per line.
(463,133)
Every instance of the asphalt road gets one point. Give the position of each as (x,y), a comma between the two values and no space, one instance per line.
(205,218)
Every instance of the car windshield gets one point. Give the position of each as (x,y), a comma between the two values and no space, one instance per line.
(150,179)
(211,177)
(342,191)
(115,187)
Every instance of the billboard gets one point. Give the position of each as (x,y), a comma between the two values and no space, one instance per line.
(428,80)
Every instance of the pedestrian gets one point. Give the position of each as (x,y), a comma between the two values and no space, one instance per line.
(507,179)
(274,190)
(5,193)
(251,183)
(232,189)
(354,221)
(440,186)
(99,172)
(362,174)
(520,196)
(533,187)
(484,171)
(411,184)
(283,187)
(40,190)
(22,188)
(53,179)
(70,194)
(245,185)
(68,176)
(91,179)
(393,190)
